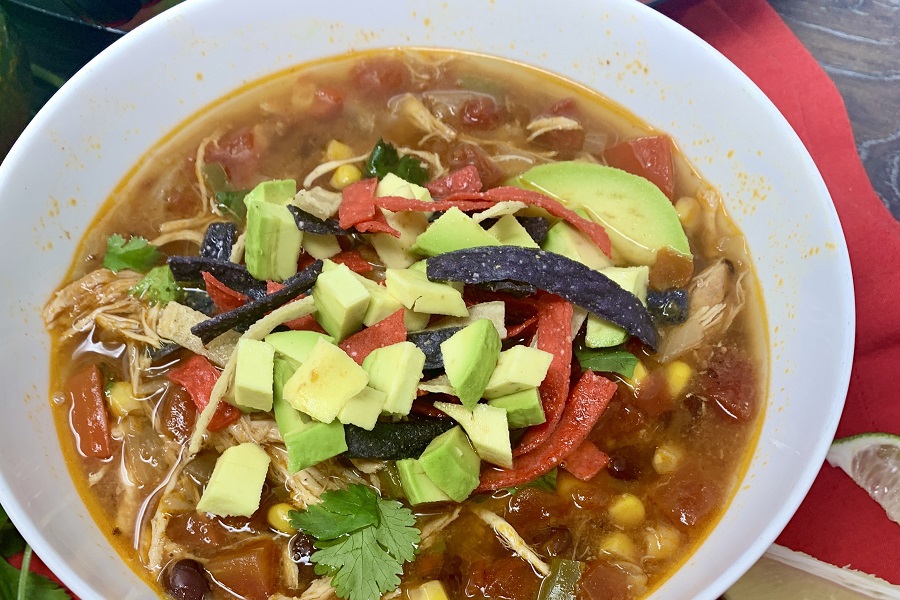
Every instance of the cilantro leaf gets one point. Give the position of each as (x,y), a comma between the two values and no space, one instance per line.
(341,512)
(36,586)
(608,360)
(363,561)
(11,541)
(385,159)
(157,286)
(136,254)
(546,482)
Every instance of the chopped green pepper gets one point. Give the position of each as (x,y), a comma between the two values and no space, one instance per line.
(562,581)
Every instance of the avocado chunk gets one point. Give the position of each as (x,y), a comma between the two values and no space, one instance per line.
(341,301)
(564,239)
(523,409)
(599,332)
(418,487)
(320,246)
(510,232)
(255,363)
(235,487)
(452,464)
(322,385)
(396,370)
(415,292)
(518,369)
(638,217)
(453,230)
(296,345)
(308,442)
(363,409)
(470,356)
(273,242)
(393,185)
(276,191)
(394,252)
(487,428)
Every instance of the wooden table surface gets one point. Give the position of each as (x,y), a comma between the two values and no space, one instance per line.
(857,42)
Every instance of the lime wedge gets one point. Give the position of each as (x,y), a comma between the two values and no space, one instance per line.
(872,460)
(782,574)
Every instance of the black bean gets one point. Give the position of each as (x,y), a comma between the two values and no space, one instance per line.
(186,580)
(302,549)
(626,463)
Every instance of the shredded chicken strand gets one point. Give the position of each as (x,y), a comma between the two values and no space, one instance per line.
(237,250)
(415,111)
(542,125)
(74,307)
(510,538)
(320,589)
(432,158)
(199,163)
(160,520)
(434,526)
(187,235)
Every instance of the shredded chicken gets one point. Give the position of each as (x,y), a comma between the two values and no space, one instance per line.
(510,538)
(432,529)
(415,111)
(320,589)
(715,297)
(199,163)
(237,250)
(290,575)
(438,385)
(318,202)
(542,125)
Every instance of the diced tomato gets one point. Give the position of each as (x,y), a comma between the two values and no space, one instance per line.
(328,103)
(601,581)
(385,332)
(671,270)
(238,154)
(481,113)
(200,534)
(565,142)
(302,262)
(509,578)
(250,571)
(687,497)
(88,413)
(380,78)
(223,297)
(653,396)
(531,510)
(464,180)
(586,461)
(649,157)
(464,155)
(729,383)
(178,415)
(198,376)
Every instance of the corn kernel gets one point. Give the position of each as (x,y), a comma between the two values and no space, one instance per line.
(344,175)
(430,590)
(661,542)
(678,375)
(278,518)
(619,545)
(627,511)
(336,150)
(640,373)
(667,458)
(121,400)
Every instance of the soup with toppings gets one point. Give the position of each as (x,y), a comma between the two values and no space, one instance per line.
(413,324)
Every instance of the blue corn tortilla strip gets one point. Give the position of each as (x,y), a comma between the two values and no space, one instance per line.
(537,227)
(251,312)
(394,441)
(313,224)
(237,277)
(516,289)
(552,273)
(218,241)
(430,342)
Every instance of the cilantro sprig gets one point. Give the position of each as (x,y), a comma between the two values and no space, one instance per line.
(362,541)
(385,159)
(157,287)
(12,584)
(136,254)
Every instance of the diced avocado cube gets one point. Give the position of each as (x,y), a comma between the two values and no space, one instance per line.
(430,590)
(381,303)
(564,239)
(452,464)
(470,356)
(235,487)
(296,345)
(320,246)
(510,232)
(396,371)
(121,399)
(518,368)
(417,486)
(487,428)
(415,321)
(413,289)
(273,242)
(363,409)
(453,230)
(599,332)
(277,191)
(323,384)
(255,362)
(341,301)
(396,252)
(523,409)
(308,442)
(392,185)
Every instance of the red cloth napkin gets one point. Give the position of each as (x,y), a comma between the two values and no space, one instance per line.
(837,522)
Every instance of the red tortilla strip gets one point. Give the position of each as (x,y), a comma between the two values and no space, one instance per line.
(586,461)
(222,296)
(522,328)
(589,399)
(304,323)
(357,203)
(198,376)
(385,332)
(400,204)
(554,333)
(353,261)
(465,180)
(377,225)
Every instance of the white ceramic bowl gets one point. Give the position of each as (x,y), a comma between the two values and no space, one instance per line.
(95,129)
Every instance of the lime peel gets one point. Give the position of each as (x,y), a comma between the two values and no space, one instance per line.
(872,460)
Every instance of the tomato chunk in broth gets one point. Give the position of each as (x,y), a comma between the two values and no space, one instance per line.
(608,495)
